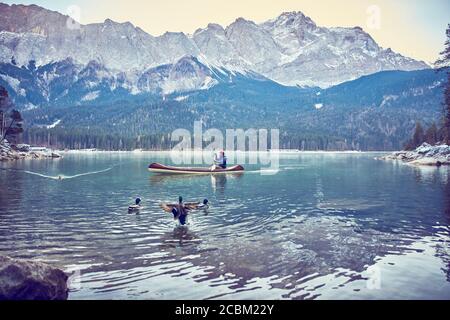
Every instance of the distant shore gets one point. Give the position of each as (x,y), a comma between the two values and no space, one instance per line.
(292,151)
(9,153)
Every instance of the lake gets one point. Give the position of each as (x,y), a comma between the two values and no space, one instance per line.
(326,226)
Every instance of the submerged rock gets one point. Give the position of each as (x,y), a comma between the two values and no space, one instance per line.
(425,154)
(30,280)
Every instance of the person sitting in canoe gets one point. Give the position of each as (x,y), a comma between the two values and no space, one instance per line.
(220,161)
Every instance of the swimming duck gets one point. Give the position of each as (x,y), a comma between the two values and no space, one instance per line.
(135,207)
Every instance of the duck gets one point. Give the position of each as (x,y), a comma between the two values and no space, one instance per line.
(135,207)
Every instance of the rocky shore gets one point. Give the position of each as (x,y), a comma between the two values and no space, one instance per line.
(31,280)
(9,152)
(426,155)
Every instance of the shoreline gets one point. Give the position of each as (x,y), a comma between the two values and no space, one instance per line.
(209,151)
(10,153)
(424,155)
(13,153)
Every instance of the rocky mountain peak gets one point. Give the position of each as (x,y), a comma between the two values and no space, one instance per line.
(241,24)
(289,49)
(294,18)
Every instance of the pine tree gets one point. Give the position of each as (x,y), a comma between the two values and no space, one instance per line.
(15,127)
(10,121)
(443,63)
(417,139)
(431,136)
(418,136)
(5,105)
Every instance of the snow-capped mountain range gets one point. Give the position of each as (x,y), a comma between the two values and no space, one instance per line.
(290,49)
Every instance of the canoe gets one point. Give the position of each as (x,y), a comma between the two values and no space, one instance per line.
(160,168)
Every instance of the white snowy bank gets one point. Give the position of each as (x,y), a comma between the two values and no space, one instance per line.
(9,152)
(426,155)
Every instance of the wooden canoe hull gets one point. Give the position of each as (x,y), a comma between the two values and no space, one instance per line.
(160,168)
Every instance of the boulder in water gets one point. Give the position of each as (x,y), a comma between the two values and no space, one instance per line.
(31,280)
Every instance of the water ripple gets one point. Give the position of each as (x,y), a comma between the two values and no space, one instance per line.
(312,231)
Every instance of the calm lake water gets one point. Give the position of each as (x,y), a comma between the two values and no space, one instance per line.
(326,226)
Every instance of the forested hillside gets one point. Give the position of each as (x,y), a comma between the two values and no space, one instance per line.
(376,112)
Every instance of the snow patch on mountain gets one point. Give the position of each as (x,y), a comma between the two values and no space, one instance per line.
(54,124)
(13,82)
(318,106)
(387,99)
(181,98)
(91,96)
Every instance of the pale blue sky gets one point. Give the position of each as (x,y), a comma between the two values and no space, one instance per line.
(415,28)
